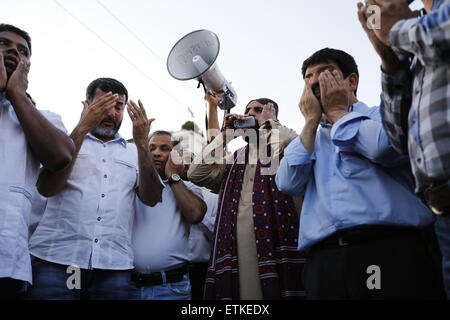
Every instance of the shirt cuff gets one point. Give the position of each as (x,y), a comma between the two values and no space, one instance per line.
(398,79)
(296,153)
(346,129)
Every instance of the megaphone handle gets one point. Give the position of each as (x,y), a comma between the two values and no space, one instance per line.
(227,111)
(201,83)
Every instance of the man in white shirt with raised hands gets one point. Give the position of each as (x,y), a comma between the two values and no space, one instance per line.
(82,245)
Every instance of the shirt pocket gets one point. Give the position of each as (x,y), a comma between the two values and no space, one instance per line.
(83,168)
(126,172)
(16,212)
(352,164)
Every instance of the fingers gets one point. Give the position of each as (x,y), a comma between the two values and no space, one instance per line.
(234,116)
(85,105)
(362,16)
(131,113)
(107,97)
(269,108)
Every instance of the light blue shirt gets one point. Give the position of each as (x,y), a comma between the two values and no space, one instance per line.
(353,178)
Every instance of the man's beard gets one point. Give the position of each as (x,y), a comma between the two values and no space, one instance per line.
(106,132)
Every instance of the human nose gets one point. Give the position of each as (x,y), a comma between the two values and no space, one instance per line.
(313,80)
(12,50)
(112,113)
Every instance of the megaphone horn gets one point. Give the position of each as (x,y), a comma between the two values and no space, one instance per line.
(194,57)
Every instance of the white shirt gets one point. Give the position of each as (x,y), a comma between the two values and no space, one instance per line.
(160,238)
(19,170)
(89,223)
(201,235)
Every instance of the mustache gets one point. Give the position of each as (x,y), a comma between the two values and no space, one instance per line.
(110,119)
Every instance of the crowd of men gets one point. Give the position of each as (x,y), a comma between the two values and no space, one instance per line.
(355,207)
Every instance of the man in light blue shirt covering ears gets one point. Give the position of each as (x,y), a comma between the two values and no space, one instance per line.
(28,138)
(360,220)
(82,245)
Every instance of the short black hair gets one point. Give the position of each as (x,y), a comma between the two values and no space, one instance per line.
(106,85)
(265,101)
(345,62)
(10,28)
(175,142)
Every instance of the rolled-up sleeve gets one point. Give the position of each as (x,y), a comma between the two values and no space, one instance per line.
(295,169)
(364,134)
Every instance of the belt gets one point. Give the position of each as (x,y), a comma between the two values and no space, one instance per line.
(156,278)
(437,197)
(363,234)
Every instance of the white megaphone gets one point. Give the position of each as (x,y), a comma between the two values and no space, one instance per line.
(194,57)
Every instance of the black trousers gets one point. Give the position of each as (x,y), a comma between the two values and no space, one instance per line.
(399,266)
(11,289)
(197,275)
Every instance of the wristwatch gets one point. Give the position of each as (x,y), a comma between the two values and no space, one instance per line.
(174,178)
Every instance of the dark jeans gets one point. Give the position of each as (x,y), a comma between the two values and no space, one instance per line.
(53,282)
(11,289)
(443,235)
(403,266)
(197,274)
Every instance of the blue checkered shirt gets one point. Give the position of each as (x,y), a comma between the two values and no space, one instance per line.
(416,100)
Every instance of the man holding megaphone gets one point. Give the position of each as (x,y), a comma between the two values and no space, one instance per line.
(256,225)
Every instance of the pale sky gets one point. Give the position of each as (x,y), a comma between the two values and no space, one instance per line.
(263,45)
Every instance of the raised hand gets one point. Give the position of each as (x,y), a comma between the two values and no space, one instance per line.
(174,164)
(3,74)
(18,81)
(94,113)
(334,94)
(389,60)
(391,11)
(141,124)
(213,100)
(268,113)
(310,106)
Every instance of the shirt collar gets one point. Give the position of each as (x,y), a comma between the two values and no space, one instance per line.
(358,107)
(3,101)
(117,138)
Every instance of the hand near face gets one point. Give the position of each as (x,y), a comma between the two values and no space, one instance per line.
(141,124)
(174,164)
(268,113)
(334,94)
(389,60)
(18,81)
(391,12)
(94,113)
(229,120)
(3,74)
(310,106)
